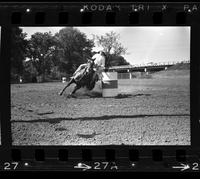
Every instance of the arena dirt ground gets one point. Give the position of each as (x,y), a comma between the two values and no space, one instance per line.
(153,111)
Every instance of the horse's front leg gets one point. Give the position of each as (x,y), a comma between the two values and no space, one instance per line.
(70,82)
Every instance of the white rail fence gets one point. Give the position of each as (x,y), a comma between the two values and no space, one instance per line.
(148,64)
(132,75)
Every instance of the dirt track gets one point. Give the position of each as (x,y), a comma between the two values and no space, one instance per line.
(149,112)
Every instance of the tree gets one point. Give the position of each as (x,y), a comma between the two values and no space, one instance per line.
(73,49)
(110,42)
(40,52)
(18,52)
(117,60)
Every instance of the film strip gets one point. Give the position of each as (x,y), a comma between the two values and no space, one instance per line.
(143,116)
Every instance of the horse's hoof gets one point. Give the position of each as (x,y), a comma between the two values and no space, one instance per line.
(72,95)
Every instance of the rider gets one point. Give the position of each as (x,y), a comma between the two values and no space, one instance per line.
(99,64)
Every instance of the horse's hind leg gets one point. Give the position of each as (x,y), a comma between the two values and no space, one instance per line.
(70,82)
(75,89)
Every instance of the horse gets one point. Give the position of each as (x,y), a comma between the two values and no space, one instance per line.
(86,77)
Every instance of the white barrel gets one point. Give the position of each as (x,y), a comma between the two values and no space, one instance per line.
(20,80)
(109,84)
(64,79)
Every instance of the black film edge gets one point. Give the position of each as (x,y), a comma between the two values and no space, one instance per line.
(141,115)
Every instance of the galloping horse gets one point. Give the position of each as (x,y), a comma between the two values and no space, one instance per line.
(84,78)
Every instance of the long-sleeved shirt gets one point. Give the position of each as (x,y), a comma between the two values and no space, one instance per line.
(99,61)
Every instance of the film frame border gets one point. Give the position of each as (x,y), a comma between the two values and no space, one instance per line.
(51,12)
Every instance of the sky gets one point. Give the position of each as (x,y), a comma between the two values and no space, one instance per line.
(144,44)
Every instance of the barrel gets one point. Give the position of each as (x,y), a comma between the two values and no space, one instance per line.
(64,79)
(109,84)
(20,79)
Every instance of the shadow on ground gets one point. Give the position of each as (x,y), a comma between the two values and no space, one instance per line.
(84,95)
(87,136)
(119,96)
(99,95)
(106,117)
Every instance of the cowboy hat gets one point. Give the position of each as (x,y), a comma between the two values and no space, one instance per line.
(97,49)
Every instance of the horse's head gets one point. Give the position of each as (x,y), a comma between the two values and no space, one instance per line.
(90,64)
